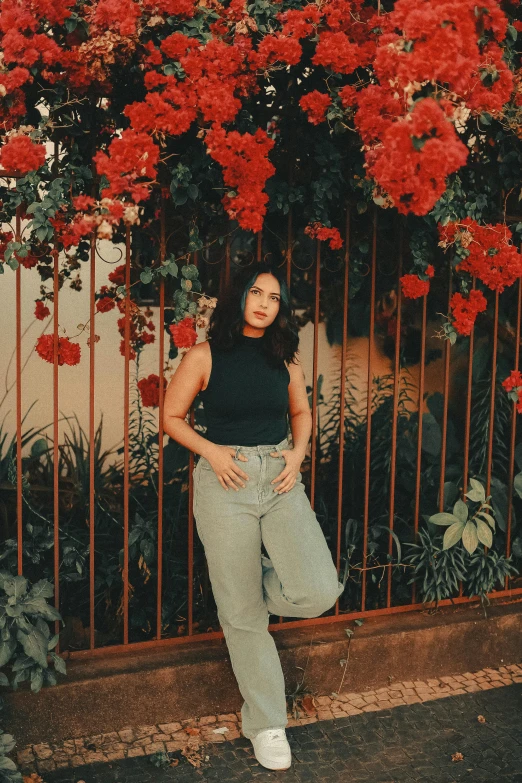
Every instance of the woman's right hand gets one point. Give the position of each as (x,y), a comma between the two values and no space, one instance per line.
(225,467)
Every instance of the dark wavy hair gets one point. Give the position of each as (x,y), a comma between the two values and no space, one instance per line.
(227,321)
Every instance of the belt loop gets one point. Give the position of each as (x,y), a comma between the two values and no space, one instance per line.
(237,452)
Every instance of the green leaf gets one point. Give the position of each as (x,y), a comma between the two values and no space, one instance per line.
(35,646)
(443,519)
(477,492)
(517,484)
(469,537)
(7,763)
(16,586)
(484,533)
(59,663)
(43,588)
(37,679)
(460,510)
(51,644)
(6,651)
(40,606)
(8,742)
(146,276)
(452,535)
(488,518)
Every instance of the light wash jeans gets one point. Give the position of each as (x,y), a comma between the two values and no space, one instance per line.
(299,579)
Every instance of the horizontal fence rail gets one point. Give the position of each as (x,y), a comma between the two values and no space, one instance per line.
(401,421)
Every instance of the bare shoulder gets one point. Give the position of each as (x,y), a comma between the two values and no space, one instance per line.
(294,367)
(198,354)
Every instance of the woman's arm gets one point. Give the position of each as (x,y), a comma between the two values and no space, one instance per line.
(181,392)
(184,385)
(299,410)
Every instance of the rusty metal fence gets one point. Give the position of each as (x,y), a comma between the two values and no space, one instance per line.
(407,419)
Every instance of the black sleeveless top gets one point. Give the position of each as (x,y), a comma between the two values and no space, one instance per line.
(246,400)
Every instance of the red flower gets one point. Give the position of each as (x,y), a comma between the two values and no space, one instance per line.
(117,276)
(514,380)
(149,390)
(513,386)
(116,15)
(130,158)
(337,52)
(68,352)
(413,287)
(464,311)
(276,48)
(315,104)
(132,352)
(183,333)
(20,153)
(300,23)
(323,233)
(244,158)
(41,311)
(417,154)
(83,203)
(491,256)
(105,304)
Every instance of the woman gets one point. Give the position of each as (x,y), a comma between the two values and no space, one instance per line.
(248,490)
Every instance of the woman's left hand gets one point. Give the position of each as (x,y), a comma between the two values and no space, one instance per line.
(288,475)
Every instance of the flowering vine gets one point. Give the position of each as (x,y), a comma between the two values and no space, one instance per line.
(103,105)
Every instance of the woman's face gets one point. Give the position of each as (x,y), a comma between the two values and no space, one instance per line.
(262,302)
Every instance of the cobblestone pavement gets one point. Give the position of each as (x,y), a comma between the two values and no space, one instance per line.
(475,736)
(191,736)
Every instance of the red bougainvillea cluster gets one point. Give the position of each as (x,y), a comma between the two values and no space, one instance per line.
(184,334)
(149,389)
(465,310)
(21,153)
(424,61)
(68,352)
(413,287)
(513,385)
(486,252)
(323,233)
(405,79)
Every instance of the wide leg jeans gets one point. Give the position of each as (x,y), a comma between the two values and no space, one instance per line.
(298,579)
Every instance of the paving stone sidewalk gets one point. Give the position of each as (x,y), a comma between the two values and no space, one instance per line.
(474,736)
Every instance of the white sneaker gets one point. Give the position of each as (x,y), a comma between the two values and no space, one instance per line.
(271,749)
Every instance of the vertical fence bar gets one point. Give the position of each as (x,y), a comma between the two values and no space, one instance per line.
(56,450)
(19,503)
(126,412)
(493,392)
(92,476)
(161,362)
(289,248)
(513,436)
(190,554)
(418,466)
(313,466)
(447,356)
(342,392)
(467,421)
(396,383)
(369,414)
(227,261)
